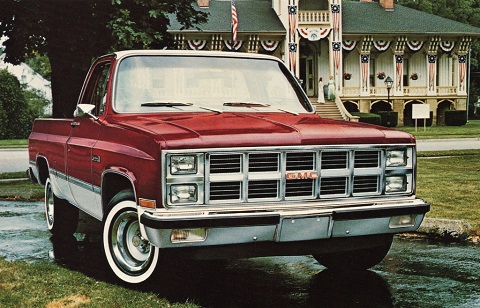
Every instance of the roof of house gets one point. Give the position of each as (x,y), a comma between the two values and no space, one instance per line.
(253,16)
(371,18)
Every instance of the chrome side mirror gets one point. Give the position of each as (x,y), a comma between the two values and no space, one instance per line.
(85,111)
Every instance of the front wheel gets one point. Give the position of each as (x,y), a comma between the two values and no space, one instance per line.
(131,257)
(357,260)
(62,217)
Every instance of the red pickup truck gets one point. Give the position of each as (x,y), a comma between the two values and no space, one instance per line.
(220,155)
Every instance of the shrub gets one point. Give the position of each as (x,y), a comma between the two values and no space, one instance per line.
(19,106)
(368,118)
(455,117)
(388,118)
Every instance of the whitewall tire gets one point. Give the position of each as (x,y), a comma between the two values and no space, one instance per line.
(132,258)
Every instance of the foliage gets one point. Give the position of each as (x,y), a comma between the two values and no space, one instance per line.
(455,117)
(73,33)
(388,118)
(40,64)
(19,106)
(371,118)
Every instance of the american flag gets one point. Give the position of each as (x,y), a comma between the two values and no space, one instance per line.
(399,69)
(234,21)
(432,67)
(335,8)
(292,48)
(292,21)
(462,67)
(365,60)
(336,46)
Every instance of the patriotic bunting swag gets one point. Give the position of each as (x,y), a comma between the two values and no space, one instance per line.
(197,44)
(447,46)
(415,45)
(349,45)
(269,45)
(235,46)
(314,34)
(381,45)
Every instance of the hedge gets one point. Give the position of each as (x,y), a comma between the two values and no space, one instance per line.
(371,118)
(455,117)
(388,118)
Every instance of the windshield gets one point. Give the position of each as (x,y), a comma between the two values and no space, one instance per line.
(148,84)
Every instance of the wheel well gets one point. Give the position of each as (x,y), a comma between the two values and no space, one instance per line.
(42,167)
(112,184)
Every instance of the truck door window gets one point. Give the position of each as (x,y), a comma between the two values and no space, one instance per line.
(96,91)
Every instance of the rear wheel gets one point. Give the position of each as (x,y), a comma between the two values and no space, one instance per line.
(131,257)
(357,260)
(62,217)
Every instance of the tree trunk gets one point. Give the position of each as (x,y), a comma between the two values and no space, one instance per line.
(67,81)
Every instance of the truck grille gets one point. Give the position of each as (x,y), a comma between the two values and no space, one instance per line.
(285,175)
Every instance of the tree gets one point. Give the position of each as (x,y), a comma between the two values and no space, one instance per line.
(19,106)
(72,33)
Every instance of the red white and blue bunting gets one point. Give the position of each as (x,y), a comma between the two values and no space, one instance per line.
(269,45)
(314,34)
(447,46)
(415,45)
(382,45)
(197,44)
(236,46)
(349,45)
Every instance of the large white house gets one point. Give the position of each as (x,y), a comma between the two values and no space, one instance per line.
(356,44)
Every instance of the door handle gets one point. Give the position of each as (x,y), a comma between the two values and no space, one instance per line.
(73,124)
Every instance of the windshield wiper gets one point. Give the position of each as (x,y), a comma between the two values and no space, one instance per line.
(177,104)
(253,104)
(165,104)
(245,104)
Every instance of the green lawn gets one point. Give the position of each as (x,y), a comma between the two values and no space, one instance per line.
(13,143)
(450,182)
(470,130)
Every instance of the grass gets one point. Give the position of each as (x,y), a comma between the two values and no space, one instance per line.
(470,130)
(449,180)
(50,285)
(13,143)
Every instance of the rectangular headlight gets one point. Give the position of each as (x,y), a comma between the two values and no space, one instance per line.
(396,158)
(184,193)
(397,183)
(183,164)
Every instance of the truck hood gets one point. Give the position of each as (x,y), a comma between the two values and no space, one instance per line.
(207,130)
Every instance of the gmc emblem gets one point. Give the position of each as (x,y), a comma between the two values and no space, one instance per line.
(306,175)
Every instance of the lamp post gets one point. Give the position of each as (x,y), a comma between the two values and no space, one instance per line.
(389,84)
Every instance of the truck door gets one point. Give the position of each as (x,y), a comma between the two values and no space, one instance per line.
(84,134)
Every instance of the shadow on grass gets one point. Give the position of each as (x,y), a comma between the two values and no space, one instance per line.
(260,282)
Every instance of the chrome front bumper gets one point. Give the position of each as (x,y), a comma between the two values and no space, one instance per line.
(300,222)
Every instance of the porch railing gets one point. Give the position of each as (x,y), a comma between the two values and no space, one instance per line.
(313,17)
(407,91)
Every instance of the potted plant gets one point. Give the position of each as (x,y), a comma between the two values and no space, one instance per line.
(381,75)
(347,76)
(414,76)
